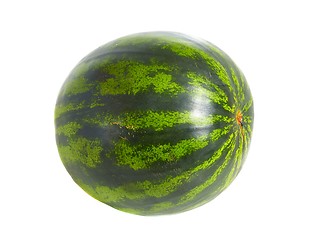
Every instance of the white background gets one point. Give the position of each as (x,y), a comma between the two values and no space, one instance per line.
(273,42)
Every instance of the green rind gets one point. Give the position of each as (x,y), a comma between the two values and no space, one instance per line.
(147,123)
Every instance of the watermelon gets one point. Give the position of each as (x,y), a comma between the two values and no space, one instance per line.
(154,123)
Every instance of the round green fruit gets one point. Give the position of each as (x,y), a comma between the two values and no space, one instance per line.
(154,123)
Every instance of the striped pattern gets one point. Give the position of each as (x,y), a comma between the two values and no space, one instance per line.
(154,123)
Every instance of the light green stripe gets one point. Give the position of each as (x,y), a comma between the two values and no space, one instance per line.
(183,48)
(248,140)
(205,87)
(247,119)
(243,80)
(219,70)
(222,118)
(229,179)
(160,206)
(247,106)
(152,119)
(237,84)
(236,165)
(76,86)
(247,127)
(68,129)
(61,109)
(157,120)
(131,77)
(107,194)
(219,132)
(140,157)
(139,120)
(96,102)
(83,150)
(235,168)
(187,49)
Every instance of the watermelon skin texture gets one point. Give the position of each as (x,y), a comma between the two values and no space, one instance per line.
(154,123)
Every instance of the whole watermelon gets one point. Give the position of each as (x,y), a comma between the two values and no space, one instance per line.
(154,123)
